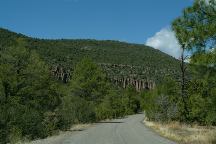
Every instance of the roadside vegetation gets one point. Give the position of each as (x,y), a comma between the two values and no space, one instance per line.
(190,100)
(35,105)
(184,133)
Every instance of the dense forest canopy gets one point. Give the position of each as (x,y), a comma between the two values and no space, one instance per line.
(35,103)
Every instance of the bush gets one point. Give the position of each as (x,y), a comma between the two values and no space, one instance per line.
(15,135)
(75,110)
(161,104)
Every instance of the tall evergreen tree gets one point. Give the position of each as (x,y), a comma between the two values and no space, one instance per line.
(196,32)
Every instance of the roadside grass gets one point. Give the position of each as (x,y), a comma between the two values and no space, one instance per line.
(184,134)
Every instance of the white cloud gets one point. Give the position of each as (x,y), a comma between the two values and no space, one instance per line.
(165,41)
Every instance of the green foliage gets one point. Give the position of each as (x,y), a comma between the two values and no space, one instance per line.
(34,105)
(202,97)
(89,81)
(117,59)
(165,103)
(15,135)
(162,104)
(197,104)
(118,103)
(110,106)
(196,31)
(91,97)
(27,92)
(197,26)
(75,110)
(132,100)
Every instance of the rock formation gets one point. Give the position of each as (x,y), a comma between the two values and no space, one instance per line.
(121,75)
(60,73)
(139,84)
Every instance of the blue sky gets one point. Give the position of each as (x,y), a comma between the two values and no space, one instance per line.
(126,20)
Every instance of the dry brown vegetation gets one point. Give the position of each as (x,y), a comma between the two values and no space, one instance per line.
(185,134)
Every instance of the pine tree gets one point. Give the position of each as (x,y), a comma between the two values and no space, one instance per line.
(196,32)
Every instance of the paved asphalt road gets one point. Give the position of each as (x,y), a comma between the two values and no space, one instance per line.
(121,131)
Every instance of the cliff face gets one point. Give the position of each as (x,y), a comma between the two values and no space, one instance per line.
(142,78)
(138,84)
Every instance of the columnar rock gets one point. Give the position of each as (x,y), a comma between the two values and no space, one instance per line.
(61,74)
(138,84)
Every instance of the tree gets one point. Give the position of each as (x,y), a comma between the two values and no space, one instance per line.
(88,81)
(132,98)
(197,27)
(196,32)
(162,103)
(73,110)
(27,92)
(86,91)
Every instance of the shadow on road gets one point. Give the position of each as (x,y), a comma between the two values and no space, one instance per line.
(109,122)
(76,130)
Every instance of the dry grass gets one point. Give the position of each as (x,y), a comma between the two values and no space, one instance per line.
(185,134)
(80,127)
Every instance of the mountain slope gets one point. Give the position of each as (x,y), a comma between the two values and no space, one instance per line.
(120,60)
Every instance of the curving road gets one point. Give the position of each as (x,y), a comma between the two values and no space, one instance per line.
(121,131)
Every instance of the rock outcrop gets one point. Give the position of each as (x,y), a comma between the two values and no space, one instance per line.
(121,75)
(61,74)
(139,84)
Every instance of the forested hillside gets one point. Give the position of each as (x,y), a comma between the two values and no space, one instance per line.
(35,103)
(119,60)
(46,86)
